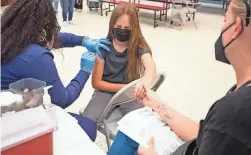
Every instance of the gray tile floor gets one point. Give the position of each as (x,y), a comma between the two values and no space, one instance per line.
(194,79)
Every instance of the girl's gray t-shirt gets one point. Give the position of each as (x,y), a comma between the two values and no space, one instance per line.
(115,69)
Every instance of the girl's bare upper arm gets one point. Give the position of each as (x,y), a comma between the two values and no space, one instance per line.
(98,70)
(150,69)
(147,61)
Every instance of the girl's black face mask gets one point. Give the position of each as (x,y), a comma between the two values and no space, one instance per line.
(220,54)
(121,35)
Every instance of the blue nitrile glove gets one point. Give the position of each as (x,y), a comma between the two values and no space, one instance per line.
(87,62)
(93,45)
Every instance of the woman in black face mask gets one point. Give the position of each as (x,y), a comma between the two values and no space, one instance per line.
(226,130)
(232,29)
(130,57)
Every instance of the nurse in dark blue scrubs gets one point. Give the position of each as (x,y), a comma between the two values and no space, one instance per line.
(29,30)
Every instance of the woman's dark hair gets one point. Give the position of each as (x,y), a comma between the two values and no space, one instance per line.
(23,23)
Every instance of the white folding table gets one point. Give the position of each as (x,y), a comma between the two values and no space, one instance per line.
(70,137)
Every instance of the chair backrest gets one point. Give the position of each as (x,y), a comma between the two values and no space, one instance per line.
(187,6)
(122,96)
(180,2)
(160,78)
(126,94)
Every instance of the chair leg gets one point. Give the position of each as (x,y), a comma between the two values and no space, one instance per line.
(171,18)
(160,14)
(166,11)
(101,8)
(194,24)
(154,20)
(107,135)
(182,23)
(109,7)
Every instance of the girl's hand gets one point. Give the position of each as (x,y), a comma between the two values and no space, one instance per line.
(140,91)
(147,151)
(141,86)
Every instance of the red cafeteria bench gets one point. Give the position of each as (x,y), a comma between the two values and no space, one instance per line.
(182,3)
(162,10)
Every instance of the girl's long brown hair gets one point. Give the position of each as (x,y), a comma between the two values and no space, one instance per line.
(136,41)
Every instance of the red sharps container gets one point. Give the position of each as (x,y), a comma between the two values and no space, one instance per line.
(28,132)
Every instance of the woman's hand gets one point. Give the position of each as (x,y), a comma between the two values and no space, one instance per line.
(93,45)
(147,151)
(151,99)
(87,62)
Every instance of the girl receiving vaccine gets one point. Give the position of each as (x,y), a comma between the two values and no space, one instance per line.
(130,59)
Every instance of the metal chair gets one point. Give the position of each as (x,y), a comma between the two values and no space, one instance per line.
(107,123)
(93,4)
(183,12)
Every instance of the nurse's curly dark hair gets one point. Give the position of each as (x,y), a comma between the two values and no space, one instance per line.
(23,23)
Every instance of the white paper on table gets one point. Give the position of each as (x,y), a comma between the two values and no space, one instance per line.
(142,124)
(82,149)
(70,139)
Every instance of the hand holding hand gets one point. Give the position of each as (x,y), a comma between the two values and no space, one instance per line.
(87,62)
(151,99)
(140,91)
(93,45)
(147,151)
(141,87)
